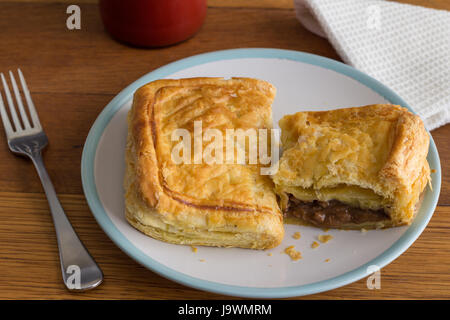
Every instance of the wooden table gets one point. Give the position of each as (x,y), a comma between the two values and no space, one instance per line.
(74,74)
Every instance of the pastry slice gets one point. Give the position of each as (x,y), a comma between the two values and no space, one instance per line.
(193,202)
(353,168)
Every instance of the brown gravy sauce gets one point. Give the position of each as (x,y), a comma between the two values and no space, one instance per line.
(332,214)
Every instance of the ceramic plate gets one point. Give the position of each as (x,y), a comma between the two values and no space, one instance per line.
(303,82)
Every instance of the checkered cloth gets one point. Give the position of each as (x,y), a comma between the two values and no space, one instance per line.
(405,47)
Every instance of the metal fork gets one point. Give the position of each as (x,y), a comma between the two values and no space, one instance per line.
(79,270)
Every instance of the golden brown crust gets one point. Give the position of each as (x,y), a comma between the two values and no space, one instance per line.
(216,204)
(379,151)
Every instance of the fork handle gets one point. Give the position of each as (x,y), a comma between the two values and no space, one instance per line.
(79,269)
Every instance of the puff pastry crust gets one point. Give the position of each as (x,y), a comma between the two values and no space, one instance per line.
(372,158)
(227,205)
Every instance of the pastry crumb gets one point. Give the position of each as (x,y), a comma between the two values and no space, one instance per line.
(269,254)
(363,230)
(327,260)
(296,235)
(314,245)
(201,260)
(194,249)
(325,230)
(294,254)
(433,171)
(324,238)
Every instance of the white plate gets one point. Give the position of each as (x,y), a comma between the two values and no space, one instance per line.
(303,82)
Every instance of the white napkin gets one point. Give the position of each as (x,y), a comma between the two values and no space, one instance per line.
(403,46)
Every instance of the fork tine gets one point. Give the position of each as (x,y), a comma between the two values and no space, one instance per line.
(31,108)
(22,112)
(12,110)
(5,118)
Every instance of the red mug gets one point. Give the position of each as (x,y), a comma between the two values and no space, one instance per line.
(152,23)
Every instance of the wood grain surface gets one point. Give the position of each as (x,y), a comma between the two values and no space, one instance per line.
(74,74)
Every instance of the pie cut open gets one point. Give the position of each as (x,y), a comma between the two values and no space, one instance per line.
(353,168)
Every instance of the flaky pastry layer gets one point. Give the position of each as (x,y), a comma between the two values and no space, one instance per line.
(371,157)
(228,205)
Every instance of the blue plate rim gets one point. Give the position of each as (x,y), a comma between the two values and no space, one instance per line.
(90,191)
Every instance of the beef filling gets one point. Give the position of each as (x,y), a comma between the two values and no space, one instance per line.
(332,214)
